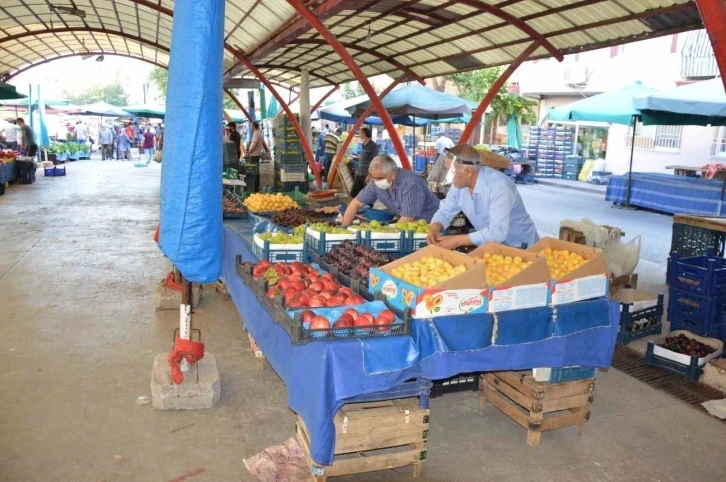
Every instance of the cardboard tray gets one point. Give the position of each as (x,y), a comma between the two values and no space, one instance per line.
(685,359)
(588,281)
(465,293)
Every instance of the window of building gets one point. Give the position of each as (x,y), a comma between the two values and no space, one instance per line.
(718,147)
(655,138)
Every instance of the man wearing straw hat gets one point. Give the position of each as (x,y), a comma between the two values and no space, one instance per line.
(490,201)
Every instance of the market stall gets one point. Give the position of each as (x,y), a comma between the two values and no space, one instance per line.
(322,374)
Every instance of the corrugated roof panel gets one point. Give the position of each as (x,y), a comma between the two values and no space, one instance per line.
(521,9)
(504,34)
(473,42)
(551,23)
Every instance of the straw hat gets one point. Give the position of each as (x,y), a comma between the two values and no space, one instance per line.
(494,160)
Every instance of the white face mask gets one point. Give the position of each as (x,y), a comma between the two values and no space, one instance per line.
(382,184)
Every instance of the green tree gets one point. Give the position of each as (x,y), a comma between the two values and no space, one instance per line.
(160,78)
(352,89)
(475,85)
(113,94)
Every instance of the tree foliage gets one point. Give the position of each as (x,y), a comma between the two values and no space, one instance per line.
(160,78)
(113,94)
(475,85)
(351,89)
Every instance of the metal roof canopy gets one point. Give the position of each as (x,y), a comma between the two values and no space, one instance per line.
(423,38)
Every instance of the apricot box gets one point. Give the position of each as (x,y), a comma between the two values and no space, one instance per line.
(530,288)
(588,281)
(463,294)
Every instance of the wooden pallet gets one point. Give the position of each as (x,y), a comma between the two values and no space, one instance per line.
(395,429)
(257,353)
(538,406)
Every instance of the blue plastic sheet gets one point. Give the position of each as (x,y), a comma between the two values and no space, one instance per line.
(191,187)
(321,375)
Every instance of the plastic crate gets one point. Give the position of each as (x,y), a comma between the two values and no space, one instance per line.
(321,243)
(690,240)
(631,325)
(385,244)
(54,171)
(524,178)
(415,241)
(413,388)
(701,315)
(377,214)
(569,177)
(264,250)
(566,374)
(466,382)
(301,335)
(692,371)
(705,275)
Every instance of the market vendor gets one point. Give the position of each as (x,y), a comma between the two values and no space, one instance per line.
(490,201)
(403,192)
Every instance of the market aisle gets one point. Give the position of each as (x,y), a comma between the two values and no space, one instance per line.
(78,334)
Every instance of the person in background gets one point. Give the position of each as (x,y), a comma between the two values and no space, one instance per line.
(332,142)
(443,142)
(81,133)
(148,143)
(27,139)
(403,192)
(129,131)
(123,144)
(256,150)
(105,138)
(235,138)
(11,135)
(369,150)
(320,152)
(490,201)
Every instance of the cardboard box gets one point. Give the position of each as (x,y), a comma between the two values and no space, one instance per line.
(588,281)
(530,288)
(463,294)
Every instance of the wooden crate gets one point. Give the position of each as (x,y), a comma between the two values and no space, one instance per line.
(538,406)
(373,436)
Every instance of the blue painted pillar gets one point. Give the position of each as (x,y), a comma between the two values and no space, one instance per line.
(191,174)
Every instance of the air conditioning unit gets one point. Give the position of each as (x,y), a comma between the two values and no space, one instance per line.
(575,75)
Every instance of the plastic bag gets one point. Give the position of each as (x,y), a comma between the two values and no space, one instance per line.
(157,156)
(595,235)
(622,258)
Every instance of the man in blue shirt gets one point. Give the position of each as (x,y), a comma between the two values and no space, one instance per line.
(490,201)
(401,191)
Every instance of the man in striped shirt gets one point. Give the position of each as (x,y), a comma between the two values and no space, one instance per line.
(403,192)
(332,140)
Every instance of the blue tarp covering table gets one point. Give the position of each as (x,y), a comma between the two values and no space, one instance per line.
(7,172)
(321,375)
(668,193)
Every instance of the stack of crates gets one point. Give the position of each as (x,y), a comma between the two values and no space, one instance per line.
(697,301)
(290,166)
(573,165)
(548,146)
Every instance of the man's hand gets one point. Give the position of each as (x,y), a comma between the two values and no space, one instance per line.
(434,233)
(452,242)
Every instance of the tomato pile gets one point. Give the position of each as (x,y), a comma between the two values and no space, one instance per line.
(302,286)
(349,319)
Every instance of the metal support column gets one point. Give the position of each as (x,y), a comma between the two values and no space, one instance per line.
(494,90)
(713,14)
(298,128)
(358,123)
(299,5)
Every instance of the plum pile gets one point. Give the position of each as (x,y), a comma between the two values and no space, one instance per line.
(354,260)
(687,346)
(293,217)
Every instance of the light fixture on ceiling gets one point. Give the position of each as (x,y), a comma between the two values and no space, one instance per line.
(99,58)
(70,10)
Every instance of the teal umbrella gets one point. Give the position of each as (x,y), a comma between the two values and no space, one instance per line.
(273,108)
(146,110)
(700,103)
(514,132)
(615,107)
(8,91)
(236,115)
(419,101)
(24,102)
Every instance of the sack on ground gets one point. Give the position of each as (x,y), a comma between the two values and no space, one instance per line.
(157,156)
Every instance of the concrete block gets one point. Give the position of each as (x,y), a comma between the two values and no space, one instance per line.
(190,394)
(168,299)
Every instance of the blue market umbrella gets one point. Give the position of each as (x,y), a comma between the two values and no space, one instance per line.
(419,101)
(700,103)
(616,107)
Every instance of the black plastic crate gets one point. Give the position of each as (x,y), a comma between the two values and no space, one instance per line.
(690,240)
(692,371)
(632,326)
(418,387)
(466,382)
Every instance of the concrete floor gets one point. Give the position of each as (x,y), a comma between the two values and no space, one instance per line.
(78,333)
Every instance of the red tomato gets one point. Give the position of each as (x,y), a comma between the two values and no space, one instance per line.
(354,300)
(307,316)
(387,315)
(353,313)
(319,322)
(343,322)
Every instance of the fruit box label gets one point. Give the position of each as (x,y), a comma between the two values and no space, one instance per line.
(579,289)
(518,297)
(433,303)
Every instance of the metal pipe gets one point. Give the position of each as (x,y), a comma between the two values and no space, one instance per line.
(494,90)
(359,75)
(632,152)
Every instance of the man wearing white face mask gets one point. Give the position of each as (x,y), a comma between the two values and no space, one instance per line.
(401,191)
